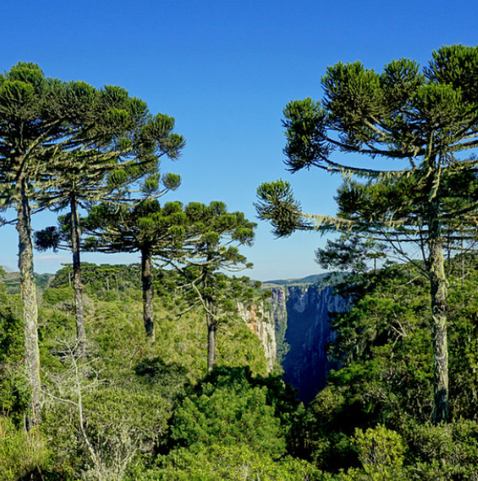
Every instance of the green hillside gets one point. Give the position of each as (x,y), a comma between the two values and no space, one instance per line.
(146,410)
(136,408)
(12,281)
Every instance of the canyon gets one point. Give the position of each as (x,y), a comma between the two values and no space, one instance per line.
(295,330)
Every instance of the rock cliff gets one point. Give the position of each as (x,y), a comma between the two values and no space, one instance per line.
(294,329)
(301,316)
(260,321)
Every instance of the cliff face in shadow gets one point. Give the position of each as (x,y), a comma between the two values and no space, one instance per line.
(294,329)
(301,315)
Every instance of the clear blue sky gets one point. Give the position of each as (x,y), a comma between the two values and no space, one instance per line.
(225,70)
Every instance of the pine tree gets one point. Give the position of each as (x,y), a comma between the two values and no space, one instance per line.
(51,130)
(147,228)
(121,154)
(211,245)
(420,120)
(80,188)
(42,121)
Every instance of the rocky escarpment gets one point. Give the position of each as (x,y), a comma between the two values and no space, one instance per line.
(294,329)
(279,316)
(260,321)
(301,315)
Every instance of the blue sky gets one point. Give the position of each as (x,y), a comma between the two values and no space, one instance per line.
(225,70)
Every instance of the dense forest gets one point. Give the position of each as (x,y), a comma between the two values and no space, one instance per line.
(149,371)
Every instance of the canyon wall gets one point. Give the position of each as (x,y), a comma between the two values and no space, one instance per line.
(301,316)
(260,321)
(294,329)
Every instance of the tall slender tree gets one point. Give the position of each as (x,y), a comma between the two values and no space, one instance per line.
(47,127)
(36,123)
(199,240)
(104,174)
(212,241)
(146,228)
(421,120)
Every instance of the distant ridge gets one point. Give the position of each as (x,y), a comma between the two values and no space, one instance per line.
(12,281)
(312,279)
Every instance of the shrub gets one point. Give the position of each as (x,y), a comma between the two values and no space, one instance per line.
(21,453)
(381,452)
(228,463)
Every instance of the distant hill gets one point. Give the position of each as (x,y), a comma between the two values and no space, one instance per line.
(312,279)
(12,281)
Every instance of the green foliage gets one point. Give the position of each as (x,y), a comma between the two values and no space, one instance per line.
(277,205)
(231,407)
(224,291)
(228,463)
(101,280)
(47,238)
(384,380)
(129,387)
(420,119)
(14,393)
(350,253)
(58,142)
(443,451)
(98,424)
(381,452)
(54,296)
(210,244)
(305,123)
(148,413)
(180,338)
(166,379)
(238,414)
(145,226)
(233,426)
(22,454)
(85,127)
(383,346)
(233,416)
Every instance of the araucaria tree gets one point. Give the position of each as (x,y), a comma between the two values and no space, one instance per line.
(50,129)
(115,155)
(425,121)
(199,240)
(211,245)
(33,128)
(146,228)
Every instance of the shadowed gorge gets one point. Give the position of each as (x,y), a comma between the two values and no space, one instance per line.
(301,314)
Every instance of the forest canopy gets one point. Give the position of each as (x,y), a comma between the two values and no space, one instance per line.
(425,119)
(160,370)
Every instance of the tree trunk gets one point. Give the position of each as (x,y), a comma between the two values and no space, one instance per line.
(30,309)
(209,309)
(78,287)
(439,291)
(147,280)
(211,339)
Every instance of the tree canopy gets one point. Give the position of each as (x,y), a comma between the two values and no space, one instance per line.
(147,228)
(416,122)
(216,236)
(51,133)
